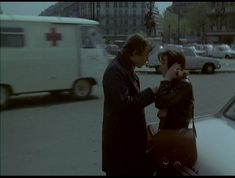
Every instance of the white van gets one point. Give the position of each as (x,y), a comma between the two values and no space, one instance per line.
(49,54)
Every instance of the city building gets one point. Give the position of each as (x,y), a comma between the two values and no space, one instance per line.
(220,27)
(1,12)
(117,19)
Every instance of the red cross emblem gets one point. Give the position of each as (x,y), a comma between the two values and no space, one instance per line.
(53,36)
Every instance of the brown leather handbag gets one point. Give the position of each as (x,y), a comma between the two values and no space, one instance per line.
(175,146)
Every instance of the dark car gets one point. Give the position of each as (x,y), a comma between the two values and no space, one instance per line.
(215,142)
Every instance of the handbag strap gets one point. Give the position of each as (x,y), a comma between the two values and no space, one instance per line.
(194,128)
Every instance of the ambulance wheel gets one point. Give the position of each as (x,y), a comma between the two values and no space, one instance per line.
(4,96)
(81,89)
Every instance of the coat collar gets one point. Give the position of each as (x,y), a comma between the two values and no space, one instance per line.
(128,65)
(126,61)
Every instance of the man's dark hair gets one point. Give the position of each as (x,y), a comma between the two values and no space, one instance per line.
(137,42)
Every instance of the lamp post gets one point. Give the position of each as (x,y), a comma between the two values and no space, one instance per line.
(92,6)
(219,11)
(178,26)
(149,19)
(169,33)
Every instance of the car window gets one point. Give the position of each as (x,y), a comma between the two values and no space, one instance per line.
(230,113)
(188,52)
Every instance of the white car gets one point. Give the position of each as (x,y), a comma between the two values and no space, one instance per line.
(223,51)
(215,143)
(193,61)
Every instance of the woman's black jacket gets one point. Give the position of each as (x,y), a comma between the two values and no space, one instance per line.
(177,98)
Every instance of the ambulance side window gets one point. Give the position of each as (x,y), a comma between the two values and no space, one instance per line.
(90,37)
(12,37)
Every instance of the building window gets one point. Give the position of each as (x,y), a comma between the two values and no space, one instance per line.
(134,12)
(107,12)
(106,4)
(126,12)
(126,4)
(120,12)
(12,37)
(134,5)
(115,5)
(120,4)
(142,4)
(97,4)
(98,12)
(115,22)
(134,22)
(143,13)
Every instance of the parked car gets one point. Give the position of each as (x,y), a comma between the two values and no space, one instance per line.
(205,49)
(215,142)
(193,61)
(199,51)
(208,48)
(223,51)
(112,49)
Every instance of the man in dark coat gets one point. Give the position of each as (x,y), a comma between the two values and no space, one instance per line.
(124,135)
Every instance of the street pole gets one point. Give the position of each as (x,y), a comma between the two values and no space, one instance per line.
(93,10)
(169,33)
(178,27)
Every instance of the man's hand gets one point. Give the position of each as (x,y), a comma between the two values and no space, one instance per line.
(154,89)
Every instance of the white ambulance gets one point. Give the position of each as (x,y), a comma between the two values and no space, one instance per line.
(49,54)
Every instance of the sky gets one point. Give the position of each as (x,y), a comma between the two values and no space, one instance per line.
(35,8)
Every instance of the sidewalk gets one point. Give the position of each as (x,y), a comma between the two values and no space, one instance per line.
(226,66)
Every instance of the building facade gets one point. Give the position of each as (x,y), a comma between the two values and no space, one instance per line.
(220,27)
(117,19)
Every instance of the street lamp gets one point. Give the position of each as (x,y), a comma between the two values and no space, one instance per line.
(219,12)
(178,26)
(149,19)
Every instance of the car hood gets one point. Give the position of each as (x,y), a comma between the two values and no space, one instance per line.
(216,146)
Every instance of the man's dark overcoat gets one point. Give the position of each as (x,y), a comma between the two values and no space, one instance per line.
(124,135)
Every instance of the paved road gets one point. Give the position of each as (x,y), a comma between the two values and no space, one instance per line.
(45,135)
